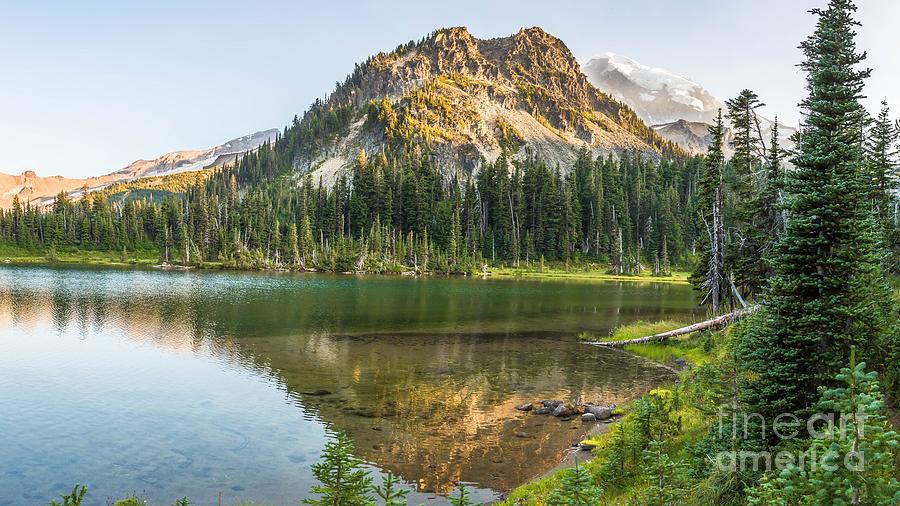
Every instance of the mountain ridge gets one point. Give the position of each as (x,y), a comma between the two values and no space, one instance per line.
(30,187)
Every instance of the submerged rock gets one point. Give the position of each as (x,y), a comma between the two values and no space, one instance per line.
(543,411)
(552,404)
(317,393)
(588,417)
(525,407)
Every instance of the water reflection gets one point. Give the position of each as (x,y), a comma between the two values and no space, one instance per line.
(422,374)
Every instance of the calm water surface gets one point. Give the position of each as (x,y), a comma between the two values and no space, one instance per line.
(171,384)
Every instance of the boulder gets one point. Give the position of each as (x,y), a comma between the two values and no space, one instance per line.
(599,412)
(525,407)
(563,411)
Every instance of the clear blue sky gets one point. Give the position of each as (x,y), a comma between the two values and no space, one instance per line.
(88,87)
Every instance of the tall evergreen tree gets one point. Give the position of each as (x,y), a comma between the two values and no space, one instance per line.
(882,167)
(749,231)
(827,292)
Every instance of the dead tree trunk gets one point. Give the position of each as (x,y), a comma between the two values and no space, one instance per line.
(714,323)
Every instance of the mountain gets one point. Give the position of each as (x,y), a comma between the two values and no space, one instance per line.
(466,98)
(677,108)
(656,95)
(39,189)
(693,136)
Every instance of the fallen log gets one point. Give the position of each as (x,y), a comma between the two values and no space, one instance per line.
(714,323)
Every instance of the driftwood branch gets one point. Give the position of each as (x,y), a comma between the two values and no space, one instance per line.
(714,323)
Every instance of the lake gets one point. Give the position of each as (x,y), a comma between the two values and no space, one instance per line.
(171,384)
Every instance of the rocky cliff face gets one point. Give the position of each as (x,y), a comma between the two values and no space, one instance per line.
(467,98)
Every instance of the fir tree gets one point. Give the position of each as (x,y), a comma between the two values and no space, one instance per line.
(827,292)
(751,234)
(882,167)
(710,276)
(577,488)
(853,457)
(463,498)
(74,498)
(344,482)
(389,492)
(665,477)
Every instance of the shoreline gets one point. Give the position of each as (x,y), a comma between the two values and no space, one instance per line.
(599,274)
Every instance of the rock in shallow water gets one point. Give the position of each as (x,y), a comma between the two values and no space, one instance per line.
(588,417)
(543,411)
(525,407)
(599,412)
(562,411)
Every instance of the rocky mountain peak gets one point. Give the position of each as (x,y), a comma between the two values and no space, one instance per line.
(469,97)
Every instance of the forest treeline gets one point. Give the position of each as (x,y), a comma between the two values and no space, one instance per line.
(396,211)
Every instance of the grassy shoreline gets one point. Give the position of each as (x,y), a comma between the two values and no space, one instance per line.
(67,256)
(590,272)
(12,255)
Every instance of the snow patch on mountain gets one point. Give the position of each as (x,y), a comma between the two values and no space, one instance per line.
(657,95)
(676,107)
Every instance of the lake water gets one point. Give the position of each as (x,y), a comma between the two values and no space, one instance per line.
(171,384)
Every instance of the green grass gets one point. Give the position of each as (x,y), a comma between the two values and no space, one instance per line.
(69,255)
(641,329)
(693,348)
(587,272)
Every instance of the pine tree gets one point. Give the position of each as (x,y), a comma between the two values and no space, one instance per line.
(665,477)
(745,260)
(389,492)
(827,292)
(577,488)
(463,499)
(344,482)
(856,453)
(882,167)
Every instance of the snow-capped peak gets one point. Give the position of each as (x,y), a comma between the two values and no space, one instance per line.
(656,94)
